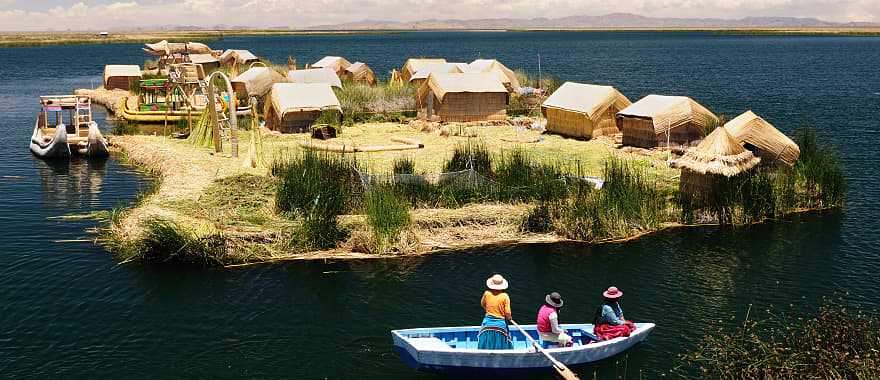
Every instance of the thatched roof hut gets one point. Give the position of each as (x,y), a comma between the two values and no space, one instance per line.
(656,119)
(412,65)
(237,56)
(464,97)
(583,110)
(759,136)
(419,77)
(360,72)
(717,158)
(324,75)
(209,62)
(337,64)
(293,107)
(506,75)
(256,81)
(121,76)
(163,48)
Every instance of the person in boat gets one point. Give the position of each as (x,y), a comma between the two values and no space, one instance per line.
(494,333)
(609,321)
(548,321)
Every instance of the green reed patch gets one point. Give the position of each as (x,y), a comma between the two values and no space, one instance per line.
(166,242)
(387,216)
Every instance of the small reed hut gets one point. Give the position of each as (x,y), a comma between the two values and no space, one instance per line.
(656,120)
(293,107)
(121,76)
(760,137)
(337,64)
(712,163)
(464,97)
(583,110)
(413,65)
(209,62)
(359,72)
(506,75)
(324,75)
(419,77)
(237,57)
(256,81)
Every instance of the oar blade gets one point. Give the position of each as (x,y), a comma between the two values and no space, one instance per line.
(566,373)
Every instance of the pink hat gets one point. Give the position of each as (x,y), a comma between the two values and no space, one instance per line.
(612,292)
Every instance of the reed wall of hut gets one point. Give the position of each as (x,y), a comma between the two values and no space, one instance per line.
(467,106)
(641,132)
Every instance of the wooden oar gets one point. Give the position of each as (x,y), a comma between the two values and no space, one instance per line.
(560,368)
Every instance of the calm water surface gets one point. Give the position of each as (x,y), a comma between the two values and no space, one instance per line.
(68,309)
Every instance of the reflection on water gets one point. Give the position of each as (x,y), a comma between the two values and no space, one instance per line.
(74,183)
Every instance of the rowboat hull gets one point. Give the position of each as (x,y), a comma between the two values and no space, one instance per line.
(59,144)
(452,350)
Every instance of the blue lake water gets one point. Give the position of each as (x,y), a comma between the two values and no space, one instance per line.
(69,309)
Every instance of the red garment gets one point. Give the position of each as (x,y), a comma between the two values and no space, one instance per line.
(606,331)
(544,318)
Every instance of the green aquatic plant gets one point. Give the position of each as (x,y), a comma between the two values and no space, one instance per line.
(820,169)
(470,155)
(387,216)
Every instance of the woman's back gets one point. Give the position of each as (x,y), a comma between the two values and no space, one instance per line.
(496,304)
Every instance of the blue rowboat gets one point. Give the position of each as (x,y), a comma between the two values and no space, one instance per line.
(453,350)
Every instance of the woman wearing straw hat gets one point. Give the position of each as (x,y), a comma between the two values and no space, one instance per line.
(609,321)
(548,321)
(494,334)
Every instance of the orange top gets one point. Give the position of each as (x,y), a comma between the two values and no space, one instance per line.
(496,305)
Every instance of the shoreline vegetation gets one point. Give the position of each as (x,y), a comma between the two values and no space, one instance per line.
(30,39)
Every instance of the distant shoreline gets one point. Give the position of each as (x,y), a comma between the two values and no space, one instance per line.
(32,39)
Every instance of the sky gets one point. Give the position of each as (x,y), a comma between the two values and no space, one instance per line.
(122,14)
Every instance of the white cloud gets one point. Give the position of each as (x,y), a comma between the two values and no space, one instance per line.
(269,13)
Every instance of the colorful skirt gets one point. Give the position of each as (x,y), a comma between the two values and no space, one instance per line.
(494,334)
(605,331)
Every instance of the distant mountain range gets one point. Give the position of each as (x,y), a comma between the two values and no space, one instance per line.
(608,21)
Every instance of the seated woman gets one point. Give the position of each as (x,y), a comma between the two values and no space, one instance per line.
(609,321)
(548,321)
(494,333)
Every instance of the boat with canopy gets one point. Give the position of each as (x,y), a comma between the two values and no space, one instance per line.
(65,128)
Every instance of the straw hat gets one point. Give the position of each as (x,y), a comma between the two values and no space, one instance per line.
(496,282)
(553,299)
(612,293)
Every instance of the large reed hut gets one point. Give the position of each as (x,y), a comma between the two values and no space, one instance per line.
(121,76)
(412,65)
(337,64)
(324,75)
(656,119)
(293,107)
(419,77)
(760,137)
(237,57)
(464,97)
(361,73)
(256,81)
(711,163)
(209,62)
(506,75)
(583,110)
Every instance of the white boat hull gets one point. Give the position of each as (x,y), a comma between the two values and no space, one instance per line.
(59,144)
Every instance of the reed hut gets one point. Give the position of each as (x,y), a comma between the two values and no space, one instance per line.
(412,65)
(506,75)
(760,137)
(464,97)
(121,76)
(711,163)
(324,75)
(256,81)
(658,120)
(337,64)
(237,56)
(583,110)
(209,62)
(361,73)
(293,107)
(419,77)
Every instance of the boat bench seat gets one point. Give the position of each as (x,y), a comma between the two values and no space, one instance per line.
(430,343)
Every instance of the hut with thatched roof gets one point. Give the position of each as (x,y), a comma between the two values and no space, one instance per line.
(361,73)
(337,64)
(656,119)
(256,81)
(208,61)
(293,107)
(711,163)
(464,97)
(506,75)
(237,57)
(419,77)
(760,137)
(413,65)
(324,75)
(583,110)
(121,76)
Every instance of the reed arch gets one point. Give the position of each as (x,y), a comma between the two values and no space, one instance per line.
(233,121)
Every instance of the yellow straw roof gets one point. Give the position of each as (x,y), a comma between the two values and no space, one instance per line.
(770,143)
(719,153)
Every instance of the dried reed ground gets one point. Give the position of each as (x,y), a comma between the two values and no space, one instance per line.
(215,193)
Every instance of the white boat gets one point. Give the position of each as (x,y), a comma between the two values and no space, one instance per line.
(52,138)
(453,350)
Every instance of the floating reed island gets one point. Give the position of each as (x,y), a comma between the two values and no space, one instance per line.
(264,162)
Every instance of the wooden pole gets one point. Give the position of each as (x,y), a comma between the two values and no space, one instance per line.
(212,116)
